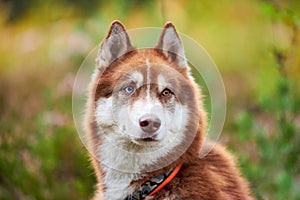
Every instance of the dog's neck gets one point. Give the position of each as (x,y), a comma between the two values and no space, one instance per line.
(120,184)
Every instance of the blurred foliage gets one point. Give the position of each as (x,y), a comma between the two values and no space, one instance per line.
(273,126)
(255,44)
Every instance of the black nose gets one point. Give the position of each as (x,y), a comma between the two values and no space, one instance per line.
(149,123)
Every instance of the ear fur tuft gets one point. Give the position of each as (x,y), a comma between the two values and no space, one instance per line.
(116,44)
(171,45)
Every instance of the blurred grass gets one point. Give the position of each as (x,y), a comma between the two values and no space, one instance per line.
(255,44)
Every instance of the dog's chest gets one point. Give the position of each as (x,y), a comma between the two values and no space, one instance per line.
(118,184)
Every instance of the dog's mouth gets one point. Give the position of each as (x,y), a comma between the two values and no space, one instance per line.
(147,139)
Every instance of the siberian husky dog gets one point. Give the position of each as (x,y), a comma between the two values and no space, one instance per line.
(145,125)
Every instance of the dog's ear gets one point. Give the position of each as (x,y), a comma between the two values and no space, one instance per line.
(171,45)
(115,44)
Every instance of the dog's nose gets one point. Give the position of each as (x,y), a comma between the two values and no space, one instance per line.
(149,123)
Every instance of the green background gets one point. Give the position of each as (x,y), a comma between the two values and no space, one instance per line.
(255,44)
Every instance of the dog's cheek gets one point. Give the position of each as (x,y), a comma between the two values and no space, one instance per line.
(120,114)
(179,118)
(121,110)
(170,106)
(182,116)
(103,114)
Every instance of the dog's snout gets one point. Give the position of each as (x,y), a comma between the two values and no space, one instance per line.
(149,123)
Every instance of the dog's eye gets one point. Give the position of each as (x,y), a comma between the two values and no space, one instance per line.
(166,92)
(129,89)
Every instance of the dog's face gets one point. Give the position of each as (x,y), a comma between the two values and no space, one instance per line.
(146,104)
(145,97)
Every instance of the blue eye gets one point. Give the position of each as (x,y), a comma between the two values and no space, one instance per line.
(129,89)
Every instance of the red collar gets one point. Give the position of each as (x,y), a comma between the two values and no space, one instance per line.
(153,185)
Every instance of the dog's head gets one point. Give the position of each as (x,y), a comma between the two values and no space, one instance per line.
(145,98)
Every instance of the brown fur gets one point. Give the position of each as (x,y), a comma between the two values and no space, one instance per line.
(213,177)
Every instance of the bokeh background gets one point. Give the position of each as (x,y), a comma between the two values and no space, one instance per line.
(255,44)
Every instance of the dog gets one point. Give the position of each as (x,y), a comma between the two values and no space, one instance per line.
(145,125)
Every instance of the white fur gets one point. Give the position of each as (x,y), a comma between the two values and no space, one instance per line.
(148,80)
(104,112)
(138,77)
(161,81)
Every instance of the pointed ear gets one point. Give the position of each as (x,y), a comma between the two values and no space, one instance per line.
(171,45)
(115,44)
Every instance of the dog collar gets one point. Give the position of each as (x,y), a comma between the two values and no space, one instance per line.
(153,185)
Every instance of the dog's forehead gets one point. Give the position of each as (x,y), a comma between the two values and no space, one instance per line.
(151,73)
(147,62)
(137,76)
